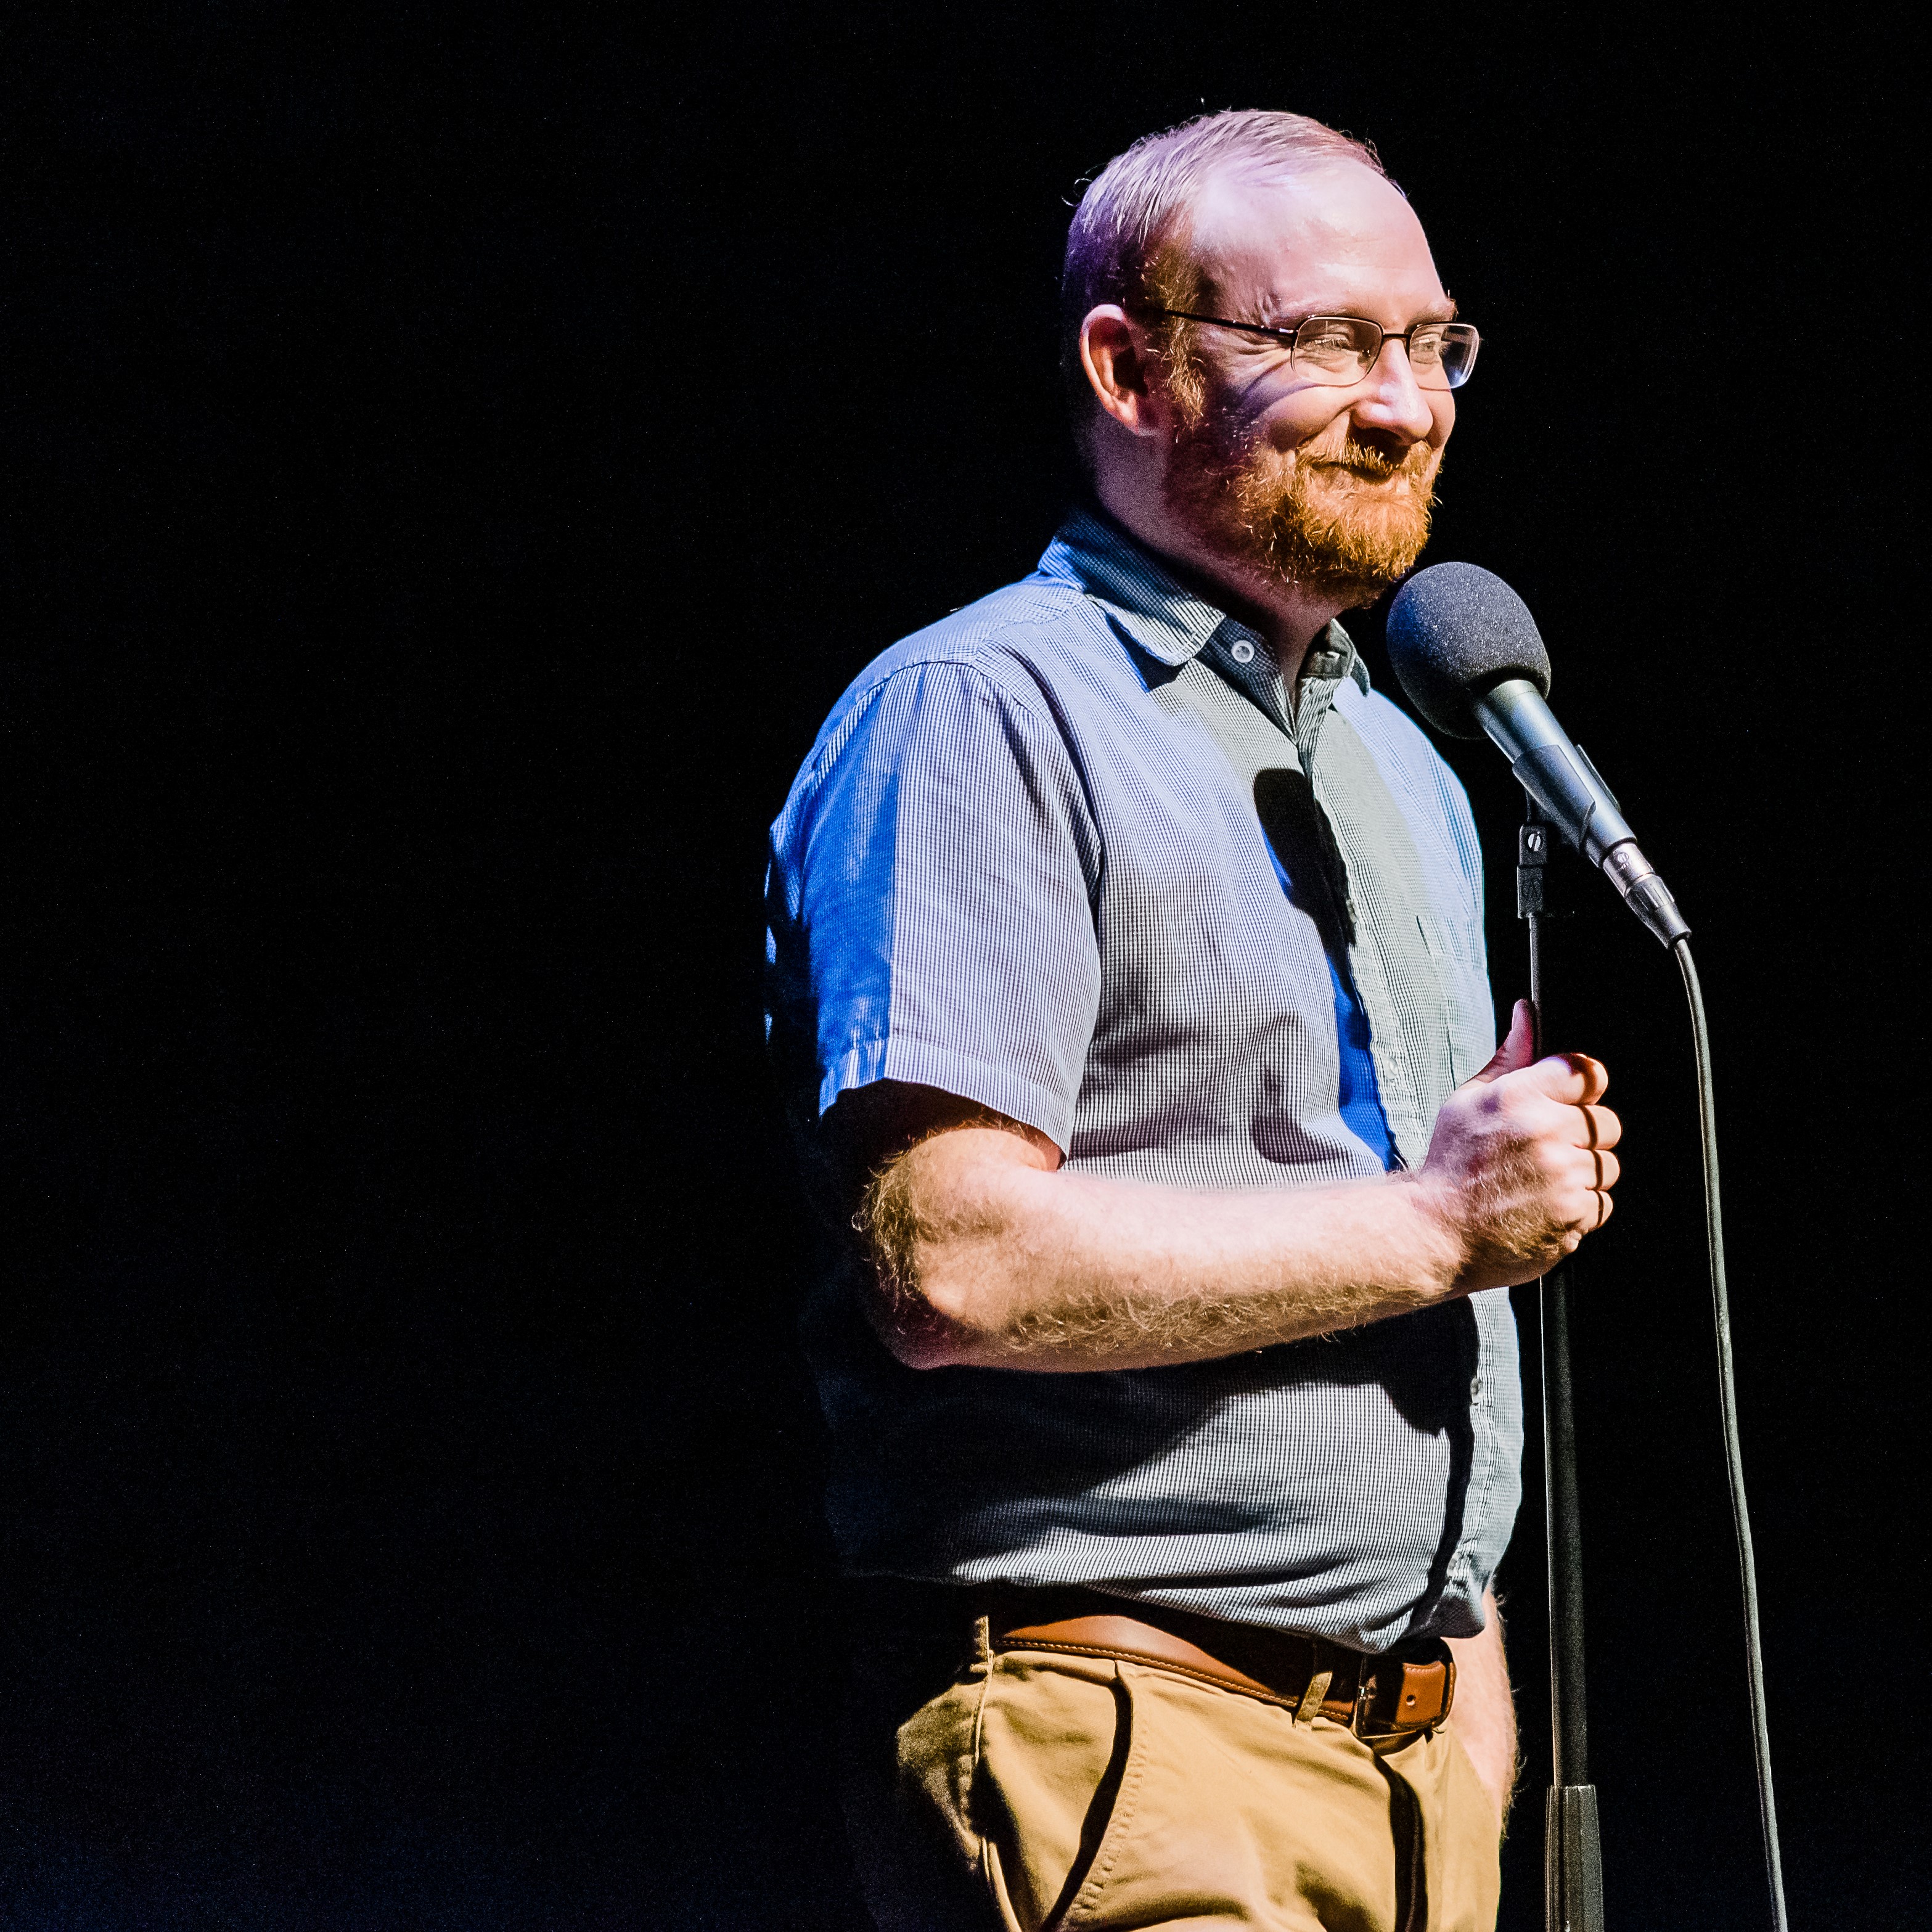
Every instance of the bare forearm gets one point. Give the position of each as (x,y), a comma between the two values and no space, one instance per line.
(988,1252)
(1004,1265)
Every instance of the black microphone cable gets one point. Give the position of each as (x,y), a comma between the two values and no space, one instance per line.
(1734,1461)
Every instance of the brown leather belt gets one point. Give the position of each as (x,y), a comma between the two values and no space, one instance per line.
(1408,1689)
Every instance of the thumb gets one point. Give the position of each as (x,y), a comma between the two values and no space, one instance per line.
(1519,1047)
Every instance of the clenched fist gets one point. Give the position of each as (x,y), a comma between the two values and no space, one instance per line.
(1520,1166)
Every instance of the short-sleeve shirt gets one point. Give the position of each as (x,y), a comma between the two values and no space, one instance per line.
(1076,854)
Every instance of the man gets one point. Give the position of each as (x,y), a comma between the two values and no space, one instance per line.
(1129,991)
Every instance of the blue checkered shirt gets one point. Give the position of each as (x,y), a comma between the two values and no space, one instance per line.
(1073,854)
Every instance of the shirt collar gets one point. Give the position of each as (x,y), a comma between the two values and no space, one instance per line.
(1159,613)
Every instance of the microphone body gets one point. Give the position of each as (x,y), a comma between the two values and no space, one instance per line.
(1560,777)
(1470,657)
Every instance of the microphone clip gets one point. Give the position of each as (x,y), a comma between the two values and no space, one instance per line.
(1535,843)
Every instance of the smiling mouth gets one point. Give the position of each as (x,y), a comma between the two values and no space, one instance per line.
(1367,460)
(1372,476)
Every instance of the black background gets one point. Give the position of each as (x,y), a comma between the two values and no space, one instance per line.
(454,461)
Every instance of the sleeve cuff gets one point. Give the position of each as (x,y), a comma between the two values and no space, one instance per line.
(921,1064)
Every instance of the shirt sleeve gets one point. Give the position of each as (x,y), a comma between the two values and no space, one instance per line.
(931,902)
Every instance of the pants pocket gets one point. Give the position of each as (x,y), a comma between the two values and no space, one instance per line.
(1229,1813)
(1055,1751)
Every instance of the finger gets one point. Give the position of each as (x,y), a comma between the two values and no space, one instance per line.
(1607,1209)
(1602,1167)
(1572,1077)
(1571,1175)
(1519,1046)
(1602,1128)
(1596,1076)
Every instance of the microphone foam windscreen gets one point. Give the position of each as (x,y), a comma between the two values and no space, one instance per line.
(1455,630)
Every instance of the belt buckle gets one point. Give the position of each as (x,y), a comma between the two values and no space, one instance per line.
(1365,1691)
(1361,1720)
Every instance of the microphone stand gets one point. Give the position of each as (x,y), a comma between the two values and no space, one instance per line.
(1573,1864)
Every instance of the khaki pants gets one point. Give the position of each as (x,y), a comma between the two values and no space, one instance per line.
(1038,1790)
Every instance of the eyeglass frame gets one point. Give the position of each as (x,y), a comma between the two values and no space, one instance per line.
(1384,337)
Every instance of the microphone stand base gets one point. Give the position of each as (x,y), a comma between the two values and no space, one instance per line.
(1573,1861)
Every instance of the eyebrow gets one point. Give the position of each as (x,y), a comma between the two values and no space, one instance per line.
(1448,309)
(1438,312)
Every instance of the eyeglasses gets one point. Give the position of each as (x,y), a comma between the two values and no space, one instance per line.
(1344,348)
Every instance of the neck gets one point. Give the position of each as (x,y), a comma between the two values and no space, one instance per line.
(1287,617)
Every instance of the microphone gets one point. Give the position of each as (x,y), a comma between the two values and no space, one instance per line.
(1469,656)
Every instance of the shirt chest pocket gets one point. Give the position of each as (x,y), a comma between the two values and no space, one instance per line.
(1461,998)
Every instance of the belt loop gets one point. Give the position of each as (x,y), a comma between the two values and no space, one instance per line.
(1310,1709)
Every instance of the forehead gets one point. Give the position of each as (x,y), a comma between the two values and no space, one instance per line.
(1337,238)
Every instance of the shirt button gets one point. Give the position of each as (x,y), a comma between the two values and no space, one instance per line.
(1476,1389)
(1241,651)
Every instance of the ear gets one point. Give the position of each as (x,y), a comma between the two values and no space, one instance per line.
(1117,370)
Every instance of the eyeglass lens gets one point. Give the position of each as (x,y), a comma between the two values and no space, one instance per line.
(1344,348)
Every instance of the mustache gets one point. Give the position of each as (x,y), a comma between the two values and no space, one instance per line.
(1372,463)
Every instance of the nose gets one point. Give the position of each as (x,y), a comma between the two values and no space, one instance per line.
(1391,399)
